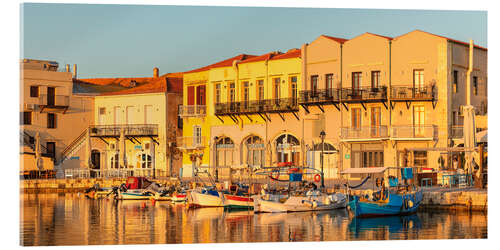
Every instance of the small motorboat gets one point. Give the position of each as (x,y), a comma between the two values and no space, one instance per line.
(237,197)
(311,201)
(205,197)
(179,197)
(395,200)
(140,188)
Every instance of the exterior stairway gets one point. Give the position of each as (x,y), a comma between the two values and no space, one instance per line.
(68,152)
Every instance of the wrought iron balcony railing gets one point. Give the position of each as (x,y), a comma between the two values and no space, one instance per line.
(192,110)
(414,132)
(363,133)
(57,101)
(363,94)
(257,106)
(128,130)
(403,93)
(191,142)
(319,96)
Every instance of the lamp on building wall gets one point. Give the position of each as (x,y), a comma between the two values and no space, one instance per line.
(322,135)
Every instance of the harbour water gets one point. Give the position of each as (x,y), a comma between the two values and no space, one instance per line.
(72,219)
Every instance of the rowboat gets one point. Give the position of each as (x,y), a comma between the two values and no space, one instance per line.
(237,197)
(395,200)
(140,188)
(179,197)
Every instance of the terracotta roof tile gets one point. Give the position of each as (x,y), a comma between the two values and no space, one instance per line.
(224,63)
(450,39)
(293,53)
(264,57)
(337,39)
(171,82)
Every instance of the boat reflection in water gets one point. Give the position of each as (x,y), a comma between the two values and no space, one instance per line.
(387,224)
(70,219)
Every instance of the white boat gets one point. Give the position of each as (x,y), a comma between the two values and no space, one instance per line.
(311,201)
(203,197)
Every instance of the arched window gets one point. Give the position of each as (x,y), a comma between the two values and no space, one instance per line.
(288,149)
(254,150)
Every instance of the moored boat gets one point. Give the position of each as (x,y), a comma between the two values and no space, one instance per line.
(395,200)
(205,197)
(311,201)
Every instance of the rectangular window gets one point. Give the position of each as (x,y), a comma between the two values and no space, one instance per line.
(51,120)
(245,91)
(197,135)
(455,81)
(260,90)
(420,158)
(102,116)
(117,118)
(375,121)
(314,85)
(293,87)
(26,118)
(231,94)
(276,88)
(200,95)
(148,114)
(356,118)
(419,120)
(329,81)
(375,79)
(217,93)
(190,95)
(474,83)
(34,91)
(129,115)
(418,78)
(356,80)
(51,149)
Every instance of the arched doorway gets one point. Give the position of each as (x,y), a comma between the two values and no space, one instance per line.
(330,168)
(224,156)
(254,151)
(95,159)
(288,149)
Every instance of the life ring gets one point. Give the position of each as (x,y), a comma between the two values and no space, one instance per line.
(273,177)
(317,178)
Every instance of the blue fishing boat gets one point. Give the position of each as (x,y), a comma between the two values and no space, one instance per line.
(397,199)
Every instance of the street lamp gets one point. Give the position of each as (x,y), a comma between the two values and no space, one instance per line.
(322,135)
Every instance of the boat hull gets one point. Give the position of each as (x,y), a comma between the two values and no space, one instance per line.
(137,194)
(237,202)
(298,204)
(398,204)
(197,199)
(179,198)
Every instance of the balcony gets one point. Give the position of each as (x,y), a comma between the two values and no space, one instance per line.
(404,93)
(361,95)
(311,97)
(257,106)
(363,133)
(457,132)
(191,142)
(414,132)
(53,102)
(130,130)
(192,111)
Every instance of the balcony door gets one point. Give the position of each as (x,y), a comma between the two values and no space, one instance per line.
(232,97)
(246,94)
(200,95)
(375,121)
(356,85)
(419,120)
(130,114)
(329,85)
(418,79)
(148,114)
(51,96)
(314,86)
(293,89)
(117,118)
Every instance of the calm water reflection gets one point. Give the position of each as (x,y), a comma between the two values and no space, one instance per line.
(69,219)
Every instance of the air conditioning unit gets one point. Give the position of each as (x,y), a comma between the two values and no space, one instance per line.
(29,106)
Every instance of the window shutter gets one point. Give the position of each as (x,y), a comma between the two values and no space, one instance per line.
(191,95)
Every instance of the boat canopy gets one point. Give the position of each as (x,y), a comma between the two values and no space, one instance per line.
(374,170)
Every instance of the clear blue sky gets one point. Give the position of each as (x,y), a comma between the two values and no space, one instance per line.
(130,40)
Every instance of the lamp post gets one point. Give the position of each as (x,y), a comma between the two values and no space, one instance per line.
(322,135)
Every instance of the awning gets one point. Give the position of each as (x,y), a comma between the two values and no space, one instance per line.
(364,170)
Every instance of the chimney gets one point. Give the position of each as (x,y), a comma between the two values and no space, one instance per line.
(67,68)
(74,71)
(156,72)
